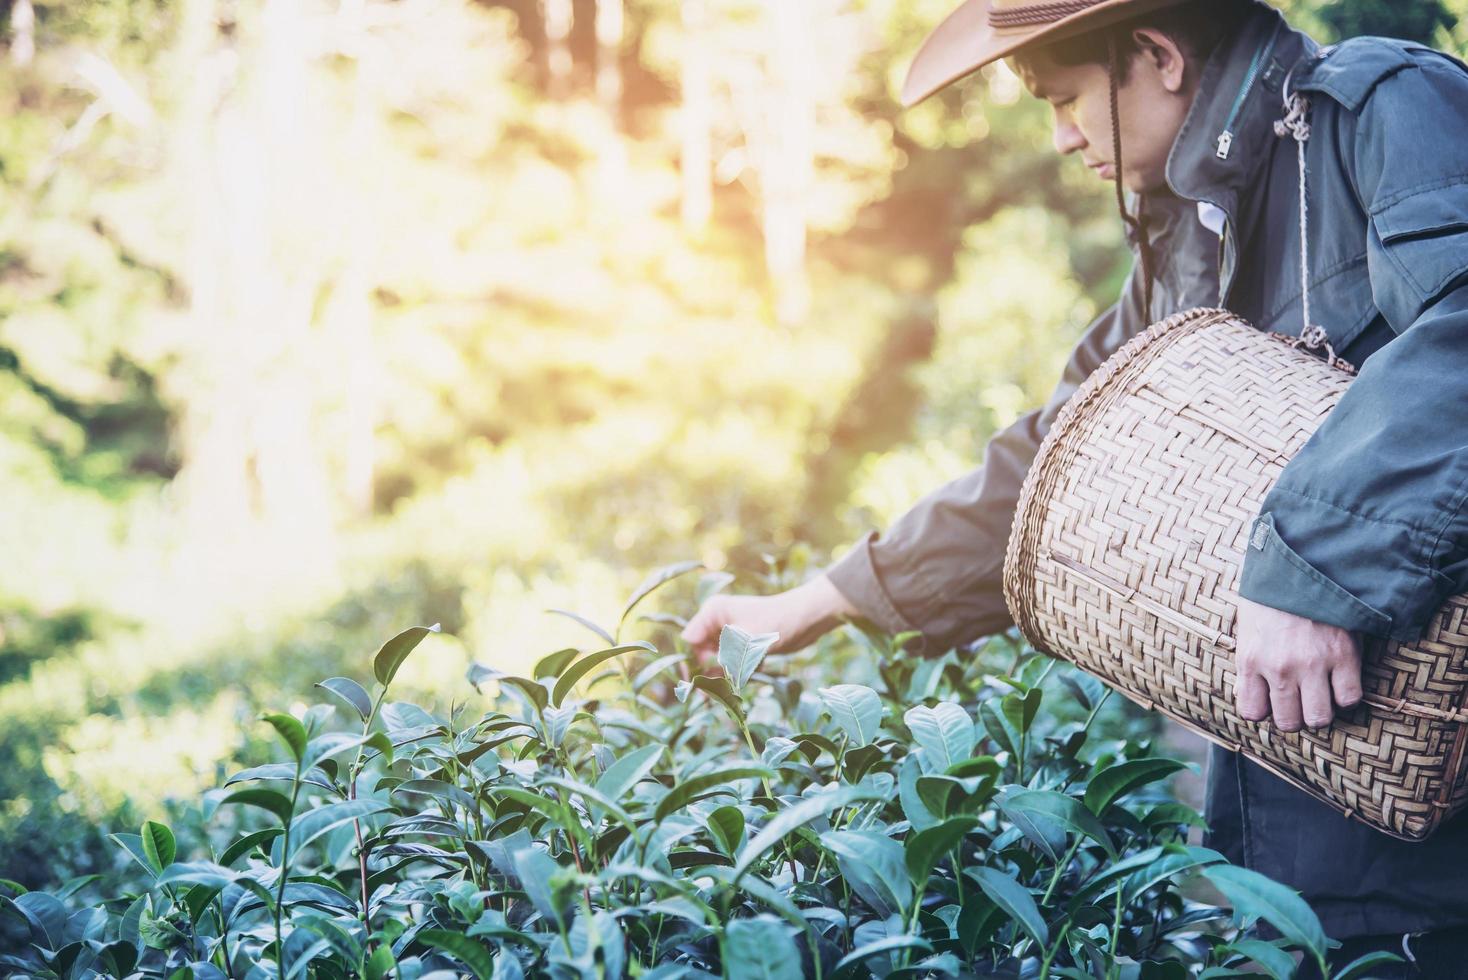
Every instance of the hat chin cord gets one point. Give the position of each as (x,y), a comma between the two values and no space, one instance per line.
(1137,223)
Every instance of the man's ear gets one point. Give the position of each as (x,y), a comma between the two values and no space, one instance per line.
(1157,49)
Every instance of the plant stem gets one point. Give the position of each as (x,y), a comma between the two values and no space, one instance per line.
(1060,870)
(285,867)
(1051,953)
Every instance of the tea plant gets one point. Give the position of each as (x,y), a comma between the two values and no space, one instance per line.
(626,812)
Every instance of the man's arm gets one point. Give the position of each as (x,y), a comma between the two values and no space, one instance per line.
(939,568)
(1366,528)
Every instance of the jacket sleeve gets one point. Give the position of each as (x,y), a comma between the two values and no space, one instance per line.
(1366,528)
(939,568)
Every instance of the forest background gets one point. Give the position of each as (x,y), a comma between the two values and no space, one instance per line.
(322,319)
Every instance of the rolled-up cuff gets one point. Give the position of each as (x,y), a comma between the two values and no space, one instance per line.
(855,576)
(1275,575)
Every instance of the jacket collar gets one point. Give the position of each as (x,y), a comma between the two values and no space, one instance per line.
(1194,169)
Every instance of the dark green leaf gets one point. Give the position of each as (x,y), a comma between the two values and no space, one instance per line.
(587,664)
(886,945)
(1111,784)
(265,799)
(385,665)
(683,793)
(314,823)
(797,815)
(874,865)
(622,775)
(722,691)
(1360,968)
(462,948)
(927,847)
(350,692)
(1254,896)
(1279,964)
(760,949)
(1014,899)
(291,732)
(552,664)
(726,826)
(1064,810)
(158,845)
(998,729)
(247,843)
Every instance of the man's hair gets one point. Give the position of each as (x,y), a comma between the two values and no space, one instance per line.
(1197,27)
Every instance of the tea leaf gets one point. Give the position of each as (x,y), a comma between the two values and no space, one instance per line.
(1063,810)
(927,847)
(1110,784)
(627,771)
(874,865)
(552,664)
(726,826)
(1360,968)
(856,708)
(722,691)
(385,665)
(886,945)
(462,948)
(1014,899)
(265,799)
(945,732)
(740,653)
(652,583)
(291,732)
(350,692)
(314,823)
(611,640)
(797,815)
(1254,896)
(760,949)
(1279,964)
(589,663)
(158,845)
(682,794)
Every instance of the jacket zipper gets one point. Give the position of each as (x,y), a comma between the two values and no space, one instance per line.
(1226,138)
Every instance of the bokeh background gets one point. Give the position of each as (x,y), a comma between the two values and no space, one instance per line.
(320,319)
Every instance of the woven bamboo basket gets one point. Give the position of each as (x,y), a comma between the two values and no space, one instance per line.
(1127,545)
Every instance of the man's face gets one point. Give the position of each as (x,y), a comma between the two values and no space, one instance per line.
(1153,103)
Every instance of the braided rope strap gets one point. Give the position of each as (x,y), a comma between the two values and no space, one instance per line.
(1033,14)
(1296,123)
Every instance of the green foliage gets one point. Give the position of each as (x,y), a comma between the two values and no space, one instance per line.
(645,833)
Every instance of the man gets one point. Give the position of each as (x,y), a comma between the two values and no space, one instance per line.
(1366,532)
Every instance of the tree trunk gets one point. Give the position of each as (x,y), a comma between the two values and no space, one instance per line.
(786,166)
(609,29)
(558,15)
(22,33)
(695,120)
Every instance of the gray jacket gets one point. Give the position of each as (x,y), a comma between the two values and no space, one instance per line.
(1367,527)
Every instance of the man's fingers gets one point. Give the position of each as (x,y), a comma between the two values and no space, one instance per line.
(1252,696)
(1315,699)
(1284,702)
(1345,681)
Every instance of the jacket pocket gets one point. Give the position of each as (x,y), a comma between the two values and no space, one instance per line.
(1425,236)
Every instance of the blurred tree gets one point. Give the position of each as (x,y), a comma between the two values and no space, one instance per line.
(1420,20)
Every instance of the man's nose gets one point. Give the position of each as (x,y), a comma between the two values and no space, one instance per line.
(1068,138)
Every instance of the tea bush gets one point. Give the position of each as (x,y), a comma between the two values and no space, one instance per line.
(628,811)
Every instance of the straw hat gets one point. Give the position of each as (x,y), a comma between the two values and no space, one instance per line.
(982,31)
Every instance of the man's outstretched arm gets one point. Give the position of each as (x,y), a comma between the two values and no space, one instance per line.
(938,570)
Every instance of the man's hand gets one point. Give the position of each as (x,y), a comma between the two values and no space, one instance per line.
(1293,667)
(800,615)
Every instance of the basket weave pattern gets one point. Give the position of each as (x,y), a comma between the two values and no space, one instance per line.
(1127,545)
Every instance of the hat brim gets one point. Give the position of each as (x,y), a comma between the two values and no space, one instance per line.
(966,41)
